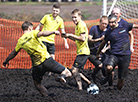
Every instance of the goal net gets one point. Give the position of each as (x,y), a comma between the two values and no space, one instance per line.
(129,12)
(129,8)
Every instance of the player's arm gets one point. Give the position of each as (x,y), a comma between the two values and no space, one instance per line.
(66,35)
(47,33)
(82,37)
(101,47)
(95,40)
(38,27)
(106,48)
(135,25)
(131,41)
(11,56)
(65,40)
(90,38)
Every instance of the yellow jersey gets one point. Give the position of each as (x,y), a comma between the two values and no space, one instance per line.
(36,49)
(82,47)
(51,24)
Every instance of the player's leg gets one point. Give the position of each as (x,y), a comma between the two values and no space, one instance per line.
(48,65)
(75,72)
(98,65)
(37,74)
(110,65)
(51,50)
(79,63)
(65,73)
(123,70)
(55,67)
(43,91)
(105,57)
(53,56)
(85,78)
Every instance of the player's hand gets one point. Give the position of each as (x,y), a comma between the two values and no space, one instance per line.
(103,50)
(5,64)
(63,35)
(93,40)
(66,46)
(57,32)
(132,49)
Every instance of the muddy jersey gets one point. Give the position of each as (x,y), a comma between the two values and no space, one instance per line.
(119,39)
(82,47)
(36,49)
(51,24)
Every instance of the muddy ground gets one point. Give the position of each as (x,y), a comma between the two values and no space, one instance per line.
(17,86)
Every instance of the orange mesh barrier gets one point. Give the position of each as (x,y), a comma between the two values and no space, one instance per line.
(10,31)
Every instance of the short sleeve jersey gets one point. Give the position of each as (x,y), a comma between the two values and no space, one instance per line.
(82,47)
(119,39)
(33,47)
(123,22)
(96,33)
(51,24)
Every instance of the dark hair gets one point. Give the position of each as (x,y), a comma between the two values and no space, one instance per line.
(103,17)
(25,25)
(56,5)
(76,11)
(112,16)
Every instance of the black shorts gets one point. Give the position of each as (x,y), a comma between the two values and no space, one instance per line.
(122,61)
(104,60)
(49,65)
(80,61)
(94,60)
(50,47)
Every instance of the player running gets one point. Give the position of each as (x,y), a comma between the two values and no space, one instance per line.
(120,49)
(41,60)
(117,12)
(81,39)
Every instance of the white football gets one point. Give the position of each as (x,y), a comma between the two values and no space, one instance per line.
(93,89)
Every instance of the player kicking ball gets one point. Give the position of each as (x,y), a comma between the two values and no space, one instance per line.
(83,52)
(41,60)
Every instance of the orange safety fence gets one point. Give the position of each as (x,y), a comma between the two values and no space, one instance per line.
(10,32)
